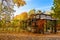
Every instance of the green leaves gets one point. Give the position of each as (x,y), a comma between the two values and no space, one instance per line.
(32,11)
(56,8)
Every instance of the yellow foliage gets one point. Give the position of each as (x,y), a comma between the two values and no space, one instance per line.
(19,2)
(22,16)
(14,1)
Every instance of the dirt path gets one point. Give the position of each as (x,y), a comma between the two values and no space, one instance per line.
(28,36)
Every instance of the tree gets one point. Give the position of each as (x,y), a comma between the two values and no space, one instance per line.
(8,5)
(22,16)
(19,2)
(39,11)
(31,12)
(56,8)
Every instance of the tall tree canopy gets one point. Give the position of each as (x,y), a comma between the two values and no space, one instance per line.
(9,4)
(32,11)
(56,8)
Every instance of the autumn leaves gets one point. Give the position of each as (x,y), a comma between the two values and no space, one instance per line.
(19,2)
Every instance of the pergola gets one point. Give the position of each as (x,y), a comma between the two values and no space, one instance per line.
(43,22)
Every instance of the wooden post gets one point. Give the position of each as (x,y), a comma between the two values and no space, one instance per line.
(55,26)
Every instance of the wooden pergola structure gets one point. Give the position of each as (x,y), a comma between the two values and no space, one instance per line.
(42,23)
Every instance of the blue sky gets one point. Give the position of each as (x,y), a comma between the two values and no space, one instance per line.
(43,5)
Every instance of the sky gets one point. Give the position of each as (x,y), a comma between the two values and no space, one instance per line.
(43,5)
